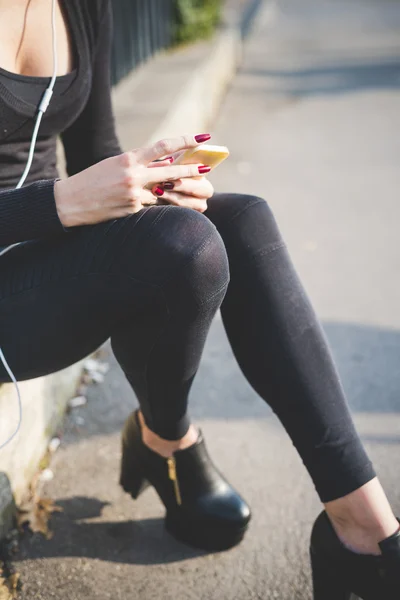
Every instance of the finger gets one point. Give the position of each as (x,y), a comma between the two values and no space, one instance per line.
(152,201)
(155,201)
(146,198)
(184,201)
(167,147)
(176,155)
(170,185)
(158,190)
(127,206)
(199,188)
(161,163)
(173,172)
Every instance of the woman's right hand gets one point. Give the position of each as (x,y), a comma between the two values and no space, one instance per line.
(116,186)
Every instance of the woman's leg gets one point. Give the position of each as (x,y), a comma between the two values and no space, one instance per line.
(152,282)
(282,351)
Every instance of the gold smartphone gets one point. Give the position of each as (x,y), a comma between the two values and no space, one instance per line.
(212,156)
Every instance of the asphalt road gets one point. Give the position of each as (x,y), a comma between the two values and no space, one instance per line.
(312,122)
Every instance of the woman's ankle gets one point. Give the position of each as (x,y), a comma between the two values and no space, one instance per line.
(166,447)
(363,518)
(358,539)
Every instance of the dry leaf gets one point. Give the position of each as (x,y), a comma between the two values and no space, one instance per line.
(49,506)
(13,583)
(36,514)
(9,586)
(5,593)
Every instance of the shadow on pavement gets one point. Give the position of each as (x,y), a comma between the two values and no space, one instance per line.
(367,358)
(348,76)
(382,439)
(140,542)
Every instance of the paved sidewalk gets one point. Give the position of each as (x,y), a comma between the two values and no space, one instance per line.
(312,122)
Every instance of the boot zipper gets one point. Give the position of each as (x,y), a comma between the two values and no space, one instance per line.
(173,476)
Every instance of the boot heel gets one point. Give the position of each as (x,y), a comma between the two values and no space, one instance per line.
(202,509)
(131,479)
(326,581)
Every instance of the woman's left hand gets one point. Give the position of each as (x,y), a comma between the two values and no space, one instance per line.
(190,193)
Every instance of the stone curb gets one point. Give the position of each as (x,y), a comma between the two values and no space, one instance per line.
(201,96)
(44,399)
(43,406)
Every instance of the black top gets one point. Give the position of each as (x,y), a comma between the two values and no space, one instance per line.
(30,89)
(80,111)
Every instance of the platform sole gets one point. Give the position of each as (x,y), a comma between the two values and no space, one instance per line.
(211,538)
(197,533)
(328,586)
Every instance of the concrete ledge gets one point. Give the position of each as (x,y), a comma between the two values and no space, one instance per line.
(43,405)
(199,99)
(180,91)
(199,96)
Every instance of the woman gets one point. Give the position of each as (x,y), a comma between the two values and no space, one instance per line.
(145,253)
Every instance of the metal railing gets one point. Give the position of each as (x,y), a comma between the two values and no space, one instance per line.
(141,28)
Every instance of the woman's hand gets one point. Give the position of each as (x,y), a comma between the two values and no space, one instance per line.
(191,193)
(116,187)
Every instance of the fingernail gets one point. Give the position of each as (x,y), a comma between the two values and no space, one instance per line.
(169,185)
(170,158)
(202,137)
(159,191)
(204,169)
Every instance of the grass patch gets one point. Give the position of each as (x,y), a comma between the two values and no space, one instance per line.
(195,19)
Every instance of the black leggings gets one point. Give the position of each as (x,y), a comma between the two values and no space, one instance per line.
(153,282)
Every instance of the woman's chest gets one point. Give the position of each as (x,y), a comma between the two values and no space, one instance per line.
(26,38)
(20,93)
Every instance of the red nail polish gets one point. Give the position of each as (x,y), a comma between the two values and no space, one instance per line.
(202,137)
(204,169)
(169,185)
(159,191)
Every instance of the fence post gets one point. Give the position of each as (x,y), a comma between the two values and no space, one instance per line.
(141,28)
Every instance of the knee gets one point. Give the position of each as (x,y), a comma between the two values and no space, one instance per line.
(245,222)
(225,208)
(203,261)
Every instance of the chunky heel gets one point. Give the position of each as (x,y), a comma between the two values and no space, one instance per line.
(340,574)
(202,509)
(326,581)
(132,479)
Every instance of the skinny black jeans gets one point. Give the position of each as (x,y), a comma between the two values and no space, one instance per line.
(152,282)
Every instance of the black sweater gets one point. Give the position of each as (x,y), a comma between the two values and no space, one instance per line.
(80,111)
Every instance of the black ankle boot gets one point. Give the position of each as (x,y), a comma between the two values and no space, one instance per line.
(203,510)
(339,573)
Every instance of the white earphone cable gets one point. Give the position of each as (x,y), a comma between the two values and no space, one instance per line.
(44,103)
